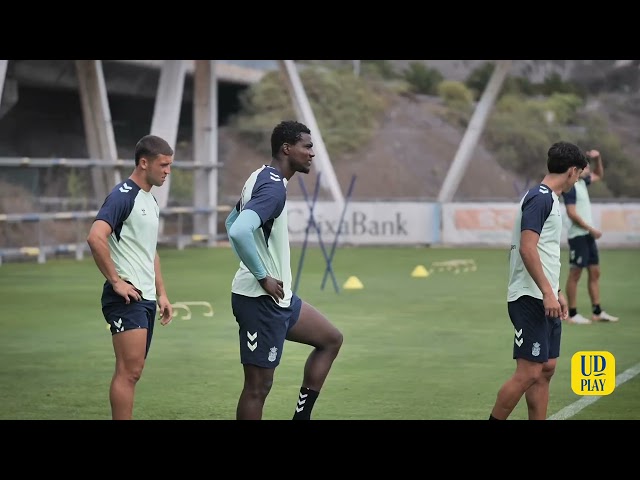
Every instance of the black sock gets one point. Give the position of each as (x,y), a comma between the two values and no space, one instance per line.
(573,312)
(306,399)
(491,417)
(596,309)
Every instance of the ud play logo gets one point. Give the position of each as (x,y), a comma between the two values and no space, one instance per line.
(593,373)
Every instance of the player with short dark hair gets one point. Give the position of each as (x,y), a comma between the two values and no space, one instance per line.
(534,301)
(123,240)
(265,308)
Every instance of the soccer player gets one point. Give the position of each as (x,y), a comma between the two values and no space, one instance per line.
(534,300)
(583,251)
(265,308)
(123,239)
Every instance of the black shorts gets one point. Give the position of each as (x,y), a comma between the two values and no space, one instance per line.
(583,251)
(263,327)
(121,316)
(537,337)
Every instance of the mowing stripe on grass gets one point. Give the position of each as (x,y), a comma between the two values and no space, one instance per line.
(584,402)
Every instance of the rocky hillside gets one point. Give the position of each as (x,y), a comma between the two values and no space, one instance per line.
(409,156)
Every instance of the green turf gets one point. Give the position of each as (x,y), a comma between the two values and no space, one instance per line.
(414,348)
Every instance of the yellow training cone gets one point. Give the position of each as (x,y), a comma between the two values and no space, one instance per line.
(353,283)
(420,271)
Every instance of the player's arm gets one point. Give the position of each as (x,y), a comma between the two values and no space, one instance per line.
(596,166)
(98,240)
(166,309)
(240,231)
(531,259)
(572,213)
(233,214)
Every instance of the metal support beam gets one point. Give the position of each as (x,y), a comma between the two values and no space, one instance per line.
(166,116)
(96,115)
(205,147)
(474,130)
(322,162)
(3,75)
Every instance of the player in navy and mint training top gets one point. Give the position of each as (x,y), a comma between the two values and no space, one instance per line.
(534,301)
(583,250)
(265,308)
(123,240)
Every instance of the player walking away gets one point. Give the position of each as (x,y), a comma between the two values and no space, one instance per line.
(534,300)
(583,250)
(123,240)
(264,306)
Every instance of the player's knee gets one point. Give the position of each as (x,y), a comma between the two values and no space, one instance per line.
(335,341)
(258,388)
(132,372)
(548,369)
(574,273)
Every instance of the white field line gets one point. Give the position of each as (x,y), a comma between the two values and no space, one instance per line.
(575,407)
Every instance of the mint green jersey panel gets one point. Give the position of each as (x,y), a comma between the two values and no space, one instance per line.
(265,192)
(579,195)
(134,216)
(540,212)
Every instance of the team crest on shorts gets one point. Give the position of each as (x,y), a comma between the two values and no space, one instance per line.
(273,353)
(535,350)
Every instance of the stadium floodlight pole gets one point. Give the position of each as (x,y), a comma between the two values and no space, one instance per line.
(474,130)
(322,162)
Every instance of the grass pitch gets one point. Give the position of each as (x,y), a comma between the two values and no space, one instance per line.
(416,348)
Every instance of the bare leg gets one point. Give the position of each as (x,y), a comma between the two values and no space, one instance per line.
(129,348)
(512,390)
(257,385)
(572,286)
(314,329)
(594,284)
(537,395)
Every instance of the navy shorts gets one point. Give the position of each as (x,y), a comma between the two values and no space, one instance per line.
(121,316)
(537,337)
(263,327)
(583,252)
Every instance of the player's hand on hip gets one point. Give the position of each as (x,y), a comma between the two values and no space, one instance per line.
(273,287)
(127,291)
(595,233)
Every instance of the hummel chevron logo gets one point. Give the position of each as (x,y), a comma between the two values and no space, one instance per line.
(302,399)
(118,325)
(125,188)
(275,177)
(518,340)
(252,346)
(543,189)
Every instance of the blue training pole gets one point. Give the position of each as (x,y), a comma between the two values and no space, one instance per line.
(312,222)
(335,240)
(306,231)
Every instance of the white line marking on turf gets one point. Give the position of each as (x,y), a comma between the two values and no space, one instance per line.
(584,402)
